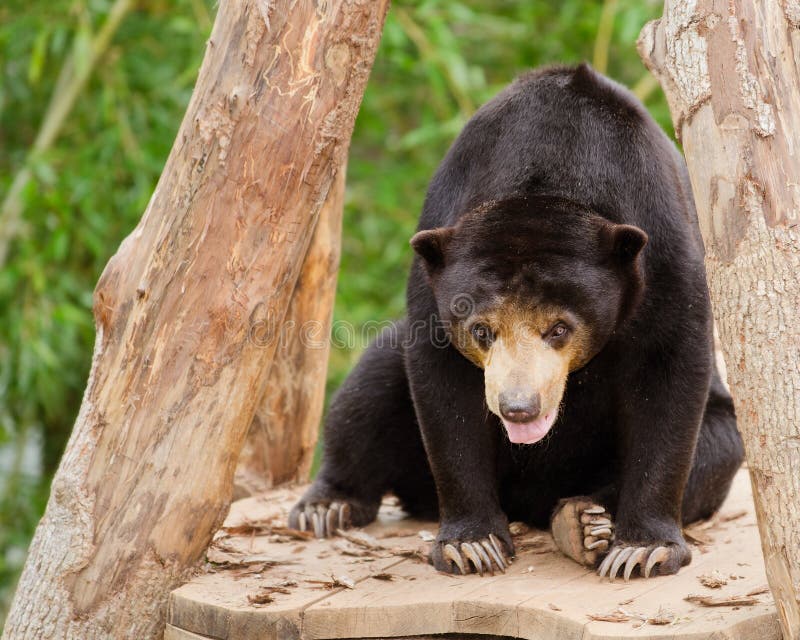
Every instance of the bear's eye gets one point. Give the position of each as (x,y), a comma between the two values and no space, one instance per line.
(559,330)
(483,334)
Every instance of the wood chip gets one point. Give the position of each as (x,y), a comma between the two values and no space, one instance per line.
(260,599)
(713,580)
(361,538)
(260,564)
(427,536)
(554,607)
(663,617)
(344,581)
(697,539)
(293,533)
(726,601)
(348,549)
(758,590)
(539,544)
(387,577)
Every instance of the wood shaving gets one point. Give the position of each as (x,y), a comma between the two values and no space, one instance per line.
(728,517)
(334,582)
(726,601)
(265,528)
(426,536)
(387,577)
(420,555)
(758,591)
(614,616)
(255,564)
(554,607)
(518,528)
(265,595)
(395,533)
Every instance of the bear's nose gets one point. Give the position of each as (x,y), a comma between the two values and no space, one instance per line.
(519,405)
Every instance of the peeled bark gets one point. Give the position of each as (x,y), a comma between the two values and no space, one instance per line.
(731,73)
(280,443)
(187,313)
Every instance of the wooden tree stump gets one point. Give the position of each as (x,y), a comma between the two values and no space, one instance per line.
(272,584)
(731,72)
(182,310)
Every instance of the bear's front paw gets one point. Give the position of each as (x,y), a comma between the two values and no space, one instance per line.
(468,553)
(659,558)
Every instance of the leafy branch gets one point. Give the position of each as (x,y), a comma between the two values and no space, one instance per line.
(71,81)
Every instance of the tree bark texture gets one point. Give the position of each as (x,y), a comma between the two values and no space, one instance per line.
(186,315)
(281,440)
(731,72)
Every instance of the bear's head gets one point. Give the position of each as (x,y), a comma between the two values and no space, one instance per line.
(530,289)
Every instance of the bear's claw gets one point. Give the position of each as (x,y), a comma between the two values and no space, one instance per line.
(323,520)
(582,530)
(483,555)
(646,558)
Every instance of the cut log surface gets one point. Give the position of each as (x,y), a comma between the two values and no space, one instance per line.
(262,581)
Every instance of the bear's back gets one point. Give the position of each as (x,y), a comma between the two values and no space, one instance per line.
(572,132)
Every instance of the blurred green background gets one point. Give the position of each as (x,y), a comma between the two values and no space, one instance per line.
(438,61)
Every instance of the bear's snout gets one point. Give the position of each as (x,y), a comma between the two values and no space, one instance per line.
(519,405)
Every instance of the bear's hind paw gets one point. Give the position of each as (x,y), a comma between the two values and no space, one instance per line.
(582,530)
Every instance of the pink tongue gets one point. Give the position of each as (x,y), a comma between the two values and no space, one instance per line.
(529,432)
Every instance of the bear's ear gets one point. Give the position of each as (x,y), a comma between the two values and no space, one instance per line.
(431,245)
(624,241)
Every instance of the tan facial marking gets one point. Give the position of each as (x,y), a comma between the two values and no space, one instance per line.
(521,356)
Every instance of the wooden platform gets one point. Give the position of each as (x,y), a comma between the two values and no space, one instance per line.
(263,582)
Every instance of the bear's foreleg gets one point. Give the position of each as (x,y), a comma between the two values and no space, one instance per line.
(658,423)
(371,446)
(461,445)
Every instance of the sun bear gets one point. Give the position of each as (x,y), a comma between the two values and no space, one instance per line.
(556,364)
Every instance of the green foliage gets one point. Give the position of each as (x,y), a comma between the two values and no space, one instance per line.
(439,60)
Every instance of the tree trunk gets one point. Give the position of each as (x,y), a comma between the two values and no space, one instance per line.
(731,72)
(187,314)
(280,443)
